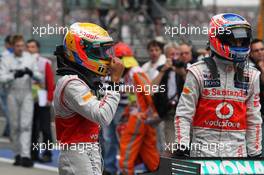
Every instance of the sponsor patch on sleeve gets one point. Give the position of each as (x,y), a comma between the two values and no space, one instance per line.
(256,100)
(186,90)
(87,96)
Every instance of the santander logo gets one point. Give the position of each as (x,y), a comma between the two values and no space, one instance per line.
(223,92)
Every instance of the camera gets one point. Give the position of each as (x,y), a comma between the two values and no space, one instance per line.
(178,63)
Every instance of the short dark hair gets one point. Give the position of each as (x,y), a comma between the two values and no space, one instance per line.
(254,41)
(155,43)
(34,41)
(8,39)
(17,38)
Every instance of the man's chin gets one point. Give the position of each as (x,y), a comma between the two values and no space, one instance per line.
(18,55)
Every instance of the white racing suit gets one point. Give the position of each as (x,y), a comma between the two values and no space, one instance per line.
(79,115)
(221,117)
(20,101)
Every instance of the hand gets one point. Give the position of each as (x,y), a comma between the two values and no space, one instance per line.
(116,69)
(181,71)
(19,73)
(28,71)
(49,103)
(167,65)
(154,121)
(181,151)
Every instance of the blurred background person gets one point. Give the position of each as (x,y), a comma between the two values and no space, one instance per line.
(8,46)
(42,108)
(3,86)
(138,143)
(257,60)
(156,58)
(257,53)
(186,54)
(171,76)
(18,70)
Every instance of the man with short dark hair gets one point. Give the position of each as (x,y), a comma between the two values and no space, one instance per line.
(18,70)
(257,50)
(150,68)
(156,59)
(8,46)
(257,58)
(186,53)
(42,115)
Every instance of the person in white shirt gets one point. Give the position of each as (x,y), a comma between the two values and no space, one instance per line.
(17,71)
(42,103)
(156,59)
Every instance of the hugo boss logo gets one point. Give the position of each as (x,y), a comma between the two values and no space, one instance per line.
(212,83)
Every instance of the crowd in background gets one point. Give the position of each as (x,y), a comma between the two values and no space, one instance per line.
(27,85)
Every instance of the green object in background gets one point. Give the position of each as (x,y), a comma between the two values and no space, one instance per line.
(35,89)
(132,98)
(231,166)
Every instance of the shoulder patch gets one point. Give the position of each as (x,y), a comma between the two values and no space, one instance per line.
(199,63)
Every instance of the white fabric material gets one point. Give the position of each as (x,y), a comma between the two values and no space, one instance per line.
(236,143)
(172,86)
(20,101)
(41,62)
(6,53)
(98,111)
(151,69)
(73,90)
(86,160)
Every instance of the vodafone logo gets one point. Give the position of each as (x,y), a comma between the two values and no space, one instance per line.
(224,110)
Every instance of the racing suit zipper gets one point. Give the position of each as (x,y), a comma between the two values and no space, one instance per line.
(224,100)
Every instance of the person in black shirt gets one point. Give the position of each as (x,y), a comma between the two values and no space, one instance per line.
(257,60)
(171,76)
